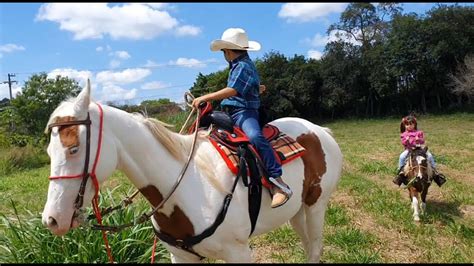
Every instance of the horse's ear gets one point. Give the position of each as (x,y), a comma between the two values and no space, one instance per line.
(425,149)
(83,99)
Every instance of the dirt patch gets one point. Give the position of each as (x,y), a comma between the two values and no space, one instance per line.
(467,211)
(394,246)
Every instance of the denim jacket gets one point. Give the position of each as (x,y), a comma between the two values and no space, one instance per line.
(243,77)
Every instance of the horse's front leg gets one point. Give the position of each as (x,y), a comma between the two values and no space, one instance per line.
(423,200)
(414,204)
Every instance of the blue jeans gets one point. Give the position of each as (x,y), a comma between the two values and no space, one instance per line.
(404,154)
(247,120)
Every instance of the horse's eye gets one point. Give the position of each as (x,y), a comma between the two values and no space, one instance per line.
(73,150)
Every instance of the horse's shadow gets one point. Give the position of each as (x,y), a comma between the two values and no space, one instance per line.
(441,211)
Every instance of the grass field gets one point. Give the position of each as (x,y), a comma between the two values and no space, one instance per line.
(369,219)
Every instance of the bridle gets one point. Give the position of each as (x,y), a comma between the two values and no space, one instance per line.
(418,167)
(85,173)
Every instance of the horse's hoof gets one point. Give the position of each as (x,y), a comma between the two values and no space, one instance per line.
(417,219)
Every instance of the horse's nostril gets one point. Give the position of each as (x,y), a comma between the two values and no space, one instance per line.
(52,222)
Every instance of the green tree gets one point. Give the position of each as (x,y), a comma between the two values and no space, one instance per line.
(38,99)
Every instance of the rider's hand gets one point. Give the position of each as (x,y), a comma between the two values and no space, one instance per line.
(197,101)
(262,89)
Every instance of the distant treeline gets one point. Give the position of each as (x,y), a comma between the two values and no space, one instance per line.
(395,64)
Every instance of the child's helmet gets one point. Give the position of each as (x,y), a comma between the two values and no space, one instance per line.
(409,119)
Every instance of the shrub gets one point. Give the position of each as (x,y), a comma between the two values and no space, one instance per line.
(22,158)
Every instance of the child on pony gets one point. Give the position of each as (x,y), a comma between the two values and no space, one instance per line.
(410,137)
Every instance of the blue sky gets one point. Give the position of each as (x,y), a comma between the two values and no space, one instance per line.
(134,52)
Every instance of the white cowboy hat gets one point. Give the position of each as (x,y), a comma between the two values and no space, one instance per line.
(234,38)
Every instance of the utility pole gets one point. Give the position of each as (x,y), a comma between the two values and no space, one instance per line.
(10,81)
(10,84)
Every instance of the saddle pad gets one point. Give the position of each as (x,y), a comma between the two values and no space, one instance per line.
(286,149)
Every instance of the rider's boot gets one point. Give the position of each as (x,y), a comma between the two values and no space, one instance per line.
(439,178)
(399,178)
(281,192)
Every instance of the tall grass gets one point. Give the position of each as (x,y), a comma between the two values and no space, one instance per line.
(21,158)
(24,239)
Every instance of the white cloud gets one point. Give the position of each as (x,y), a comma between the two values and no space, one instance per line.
(80,76)
(188,62)
(321,40)
(10,48)
(150,63)
(156,5)
(114,63)
(188,30)
(154,85)
(315,54)
(5,90)
(127,76)
(127,21)
(112,92)
(99,49)
(122,54)
(304,12)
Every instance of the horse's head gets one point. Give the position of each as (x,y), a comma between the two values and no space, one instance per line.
(418,166)
(75,129)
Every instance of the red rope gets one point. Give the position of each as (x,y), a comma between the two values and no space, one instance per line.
(96,208)
(153,251)
(95,201)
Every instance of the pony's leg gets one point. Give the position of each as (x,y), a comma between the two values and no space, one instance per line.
(423,201)
(414,205)
(314,228)
(237,253)
(298,224)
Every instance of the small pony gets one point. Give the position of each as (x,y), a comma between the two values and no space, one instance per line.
(419,176)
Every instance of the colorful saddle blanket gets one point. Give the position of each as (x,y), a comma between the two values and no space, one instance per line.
(226,143)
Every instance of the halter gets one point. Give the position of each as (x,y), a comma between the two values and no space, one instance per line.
(85,173)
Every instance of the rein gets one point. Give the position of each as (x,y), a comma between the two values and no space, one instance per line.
(185,244)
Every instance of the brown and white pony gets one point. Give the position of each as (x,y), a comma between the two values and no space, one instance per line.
(151,156)
(418,172)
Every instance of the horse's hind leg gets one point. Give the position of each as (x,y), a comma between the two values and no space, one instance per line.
(314,229)
(298,224)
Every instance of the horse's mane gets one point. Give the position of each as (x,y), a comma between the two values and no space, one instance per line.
(177,145)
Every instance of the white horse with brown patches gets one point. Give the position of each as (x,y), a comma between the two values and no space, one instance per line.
(152,157)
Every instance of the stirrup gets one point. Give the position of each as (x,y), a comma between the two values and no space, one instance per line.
(285,189)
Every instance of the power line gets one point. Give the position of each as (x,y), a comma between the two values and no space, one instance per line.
(10,83)
(169,65)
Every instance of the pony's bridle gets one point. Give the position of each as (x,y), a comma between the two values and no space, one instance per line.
(412,168)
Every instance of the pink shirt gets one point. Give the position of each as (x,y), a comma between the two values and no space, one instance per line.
(414,137)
